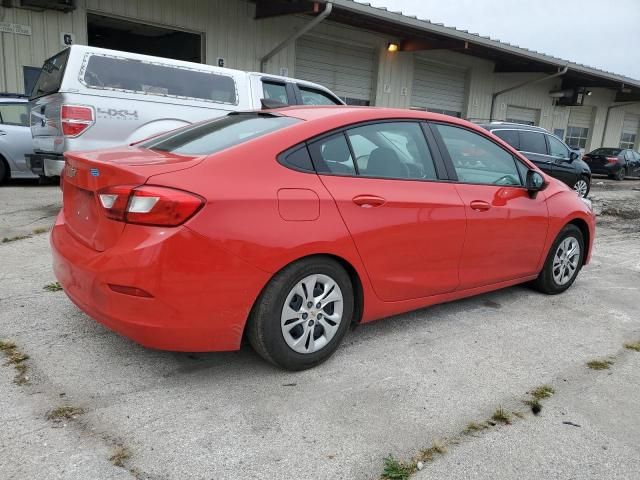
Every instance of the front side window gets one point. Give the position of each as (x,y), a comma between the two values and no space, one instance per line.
(392,150)
(311,96)
(557,148)
(216,135)
(628,155)
(14,114)
(124,74)
(577,137)
(332,155)
(477,159)
(275,91)
(533,142)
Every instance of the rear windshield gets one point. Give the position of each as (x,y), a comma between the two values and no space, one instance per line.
(214,136)
(153,78)
(606,151)
(51,75)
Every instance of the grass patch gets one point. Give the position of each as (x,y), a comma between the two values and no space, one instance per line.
(474,427)
(65,412)
(121,455)
(501,416)
(543,391)
(599,364)
(428,454)
(14,239)
(39,230)
(396,470)
(52,287)
(536,406)
(633,346)
(16,359)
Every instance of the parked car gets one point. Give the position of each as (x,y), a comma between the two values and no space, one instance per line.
(614,162)
(288,225)
(548,152)
(87,98)
(15,137)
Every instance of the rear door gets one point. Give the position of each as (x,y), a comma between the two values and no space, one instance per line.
(506,228)
(406,224)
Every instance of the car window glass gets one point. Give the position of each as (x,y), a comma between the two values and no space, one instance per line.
(628,155)
(557,148)
(636,155)
(311,96)
(275,91)
(533,142)
(477,159)
(509,136)
(392,150)
(216,135)
(14,114)
(332,155)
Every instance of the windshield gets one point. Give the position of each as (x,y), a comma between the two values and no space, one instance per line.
(219,134)
(51,74)
(606,151)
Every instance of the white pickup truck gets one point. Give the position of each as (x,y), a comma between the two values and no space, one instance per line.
(89,98)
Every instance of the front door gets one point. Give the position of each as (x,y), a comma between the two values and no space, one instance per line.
(506,228)
(407,226)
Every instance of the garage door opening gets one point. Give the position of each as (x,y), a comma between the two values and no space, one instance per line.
(117,34)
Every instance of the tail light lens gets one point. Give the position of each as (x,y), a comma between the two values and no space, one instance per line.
(149,205)
(75,119)
(612,159)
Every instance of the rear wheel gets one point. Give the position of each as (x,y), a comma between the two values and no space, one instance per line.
(4,170)
(621,174)
(563,262)
(582,187)
(303,314)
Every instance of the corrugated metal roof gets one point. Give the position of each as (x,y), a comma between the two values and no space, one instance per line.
(452,32)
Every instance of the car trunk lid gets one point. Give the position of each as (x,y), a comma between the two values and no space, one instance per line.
(86,173)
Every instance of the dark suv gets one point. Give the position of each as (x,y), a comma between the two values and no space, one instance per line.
(547,151)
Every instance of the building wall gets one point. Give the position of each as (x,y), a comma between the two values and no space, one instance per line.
(230,31)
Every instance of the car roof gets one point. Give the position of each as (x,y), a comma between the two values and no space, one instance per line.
(513,126)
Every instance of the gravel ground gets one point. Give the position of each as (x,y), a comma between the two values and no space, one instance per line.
(394,386)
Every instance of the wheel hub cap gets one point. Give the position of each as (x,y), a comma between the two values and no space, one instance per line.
(566,260)
(312,313)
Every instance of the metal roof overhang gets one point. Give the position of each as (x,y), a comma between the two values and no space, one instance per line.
(419,34)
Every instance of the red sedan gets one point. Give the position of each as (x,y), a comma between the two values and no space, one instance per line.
(288,225)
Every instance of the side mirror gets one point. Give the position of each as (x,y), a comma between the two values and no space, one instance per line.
(534,183)
(573,156)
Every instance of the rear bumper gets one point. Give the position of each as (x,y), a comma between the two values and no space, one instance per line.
(608,169)
(201,295)
(45,164)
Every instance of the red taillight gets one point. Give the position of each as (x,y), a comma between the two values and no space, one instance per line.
(75,119)
(612,159)
(149,205)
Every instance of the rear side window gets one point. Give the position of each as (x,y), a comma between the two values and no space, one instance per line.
(477,159)
(51,75)
(14,114)
(219,134)
(125,74)
(332,155)
(509,136)
(533,142)
(311,96)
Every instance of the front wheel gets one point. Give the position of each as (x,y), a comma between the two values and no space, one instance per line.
(582,187)
(563,262)
(621,174)
(303,314)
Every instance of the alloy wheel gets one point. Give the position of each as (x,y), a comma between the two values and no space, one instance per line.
(312,313)
(581,187)
(566,260)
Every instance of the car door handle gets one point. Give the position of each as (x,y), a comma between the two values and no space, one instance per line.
(368,201)
(2,133)
(480,205)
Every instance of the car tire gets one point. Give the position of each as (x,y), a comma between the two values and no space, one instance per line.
(621,174)
(311,334)
(582,186)
(560,270)
(5,172)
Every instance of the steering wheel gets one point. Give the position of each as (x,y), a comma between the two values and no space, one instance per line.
(507,180)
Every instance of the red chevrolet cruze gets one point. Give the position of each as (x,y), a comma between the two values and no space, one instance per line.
(287,226)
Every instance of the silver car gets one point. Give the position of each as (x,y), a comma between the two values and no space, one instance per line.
(15,137)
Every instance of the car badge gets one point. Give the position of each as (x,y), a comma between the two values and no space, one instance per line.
(94,172)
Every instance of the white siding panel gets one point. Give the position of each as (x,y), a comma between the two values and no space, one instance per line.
(581,117)
(346,69)
(438,87)
(522,115)
(631,123)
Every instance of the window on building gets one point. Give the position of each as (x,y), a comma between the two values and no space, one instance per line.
(627,140)
(533,142)
(576,137)
(477,159)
